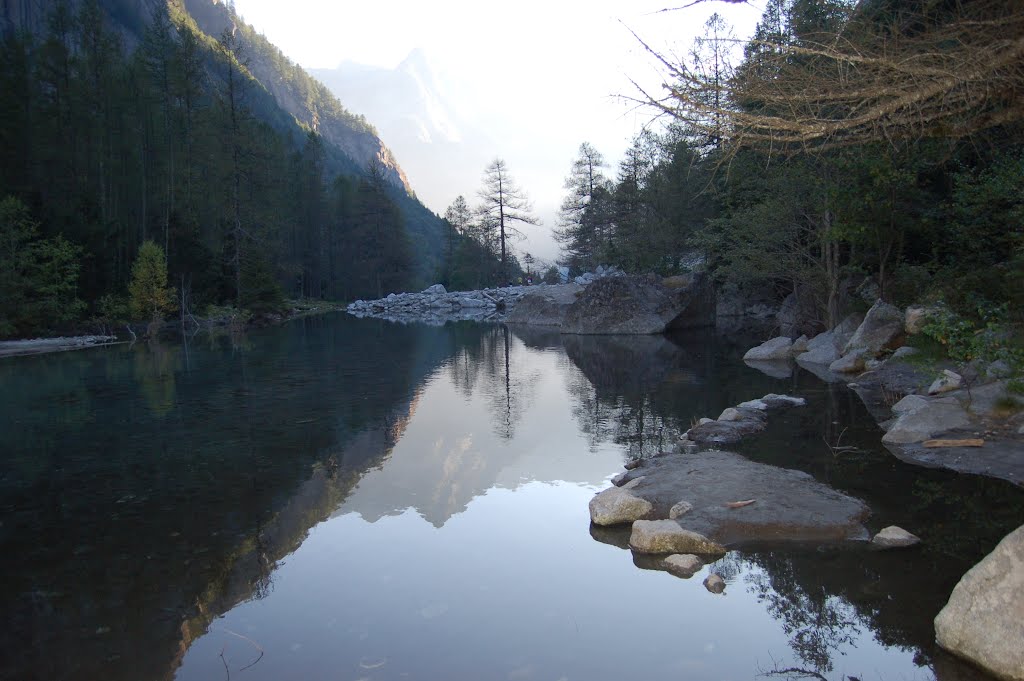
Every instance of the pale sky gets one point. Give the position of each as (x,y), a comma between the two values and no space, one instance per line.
(543,75)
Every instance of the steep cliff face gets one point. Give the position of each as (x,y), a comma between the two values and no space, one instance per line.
(307,100)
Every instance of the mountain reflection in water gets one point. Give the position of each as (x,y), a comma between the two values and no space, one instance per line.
(344,498)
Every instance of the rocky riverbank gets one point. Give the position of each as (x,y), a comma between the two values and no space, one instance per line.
(932,416)
(37,346)
(604,303)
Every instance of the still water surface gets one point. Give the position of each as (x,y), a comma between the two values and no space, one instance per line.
(352,499)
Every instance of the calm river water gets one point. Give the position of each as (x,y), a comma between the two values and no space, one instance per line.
(352,499)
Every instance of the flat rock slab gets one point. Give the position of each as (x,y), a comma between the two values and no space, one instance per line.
(788,505)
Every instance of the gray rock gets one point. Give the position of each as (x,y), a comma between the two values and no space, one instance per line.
(894,537)
(732,414)
(666,536)
(753,404)
(776,348)
(799,346)
(984,400)
(850,363)
(714,583)
(873,364)
(615,505)
(790,505)
(984,619)
(640,305)
(725,432)
(882,329)
(820,350)
(620,478)
(683,565)
(904,352)
(776,368)
(634,482)
(680,509)
(947,382)
(910,403)
(997,370)
(916,425)
(775,401)
(544,305)
(845,330)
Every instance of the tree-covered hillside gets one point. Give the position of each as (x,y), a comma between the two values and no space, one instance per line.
(852,150)
(122,123)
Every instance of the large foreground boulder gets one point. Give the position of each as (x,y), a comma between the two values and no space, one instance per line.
(984,619)
(641,305)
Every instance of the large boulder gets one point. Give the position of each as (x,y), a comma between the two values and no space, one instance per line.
(641,305)
(544,305)
(882,329)
(788,505)
(667,536)
(615,506)
(776,348)
(984,618)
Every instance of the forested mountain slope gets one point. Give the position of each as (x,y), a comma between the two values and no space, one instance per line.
(175,122)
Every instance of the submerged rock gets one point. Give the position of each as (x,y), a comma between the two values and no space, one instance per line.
(616,505)
(680,509)
(714,583)
(667,536)
(894,537)
(984,618)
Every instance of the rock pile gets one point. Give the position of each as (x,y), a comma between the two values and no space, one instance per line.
(436,306)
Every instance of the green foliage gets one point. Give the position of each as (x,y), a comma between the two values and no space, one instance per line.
(149,295)
(38,277)
(989,338)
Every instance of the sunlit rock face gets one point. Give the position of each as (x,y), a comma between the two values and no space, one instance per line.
(984,619)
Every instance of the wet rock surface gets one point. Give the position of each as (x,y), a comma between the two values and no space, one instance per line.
(437,306)
(788,505)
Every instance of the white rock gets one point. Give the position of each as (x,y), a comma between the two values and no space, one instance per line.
(894,537)
(926,422)
(731,414)
(752,404)
(984,618)
(947,382)
(776,348)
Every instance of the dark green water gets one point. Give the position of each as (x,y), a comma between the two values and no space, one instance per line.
(352,499)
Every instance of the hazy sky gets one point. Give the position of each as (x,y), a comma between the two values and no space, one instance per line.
(544,74)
